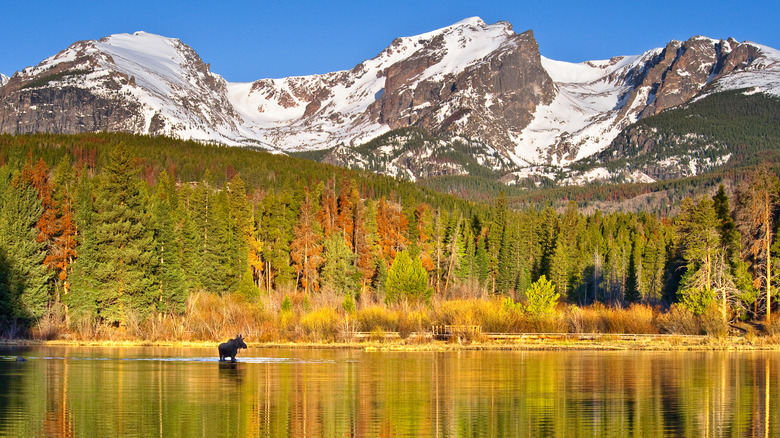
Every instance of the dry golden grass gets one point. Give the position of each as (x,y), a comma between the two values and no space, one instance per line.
(321,318)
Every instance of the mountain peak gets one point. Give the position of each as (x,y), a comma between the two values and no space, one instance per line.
(471,21)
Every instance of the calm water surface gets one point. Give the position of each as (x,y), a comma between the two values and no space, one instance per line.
(81,391)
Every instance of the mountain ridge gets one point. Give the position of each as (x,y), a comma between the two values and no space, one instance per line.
(471,82)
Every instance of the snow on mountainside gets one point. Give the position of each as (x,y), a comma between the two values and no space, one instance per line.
(319,111)
(762,73)
(3,79)
(470,80)
(586,110)
(134,83)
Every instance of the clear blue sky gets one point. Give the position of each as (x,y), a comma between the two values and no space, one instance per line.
(249,40)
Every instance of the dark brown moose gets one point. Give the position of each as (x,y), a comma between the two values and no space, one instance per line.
(230,348)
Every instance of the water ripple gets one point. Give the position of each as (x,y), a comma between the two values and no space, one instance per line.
(260,360)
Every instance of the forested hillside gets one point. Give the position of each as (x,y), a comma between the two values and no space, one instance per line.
(114,230)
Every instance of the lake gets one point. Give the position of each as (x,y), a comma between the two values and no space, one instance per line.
(167,392)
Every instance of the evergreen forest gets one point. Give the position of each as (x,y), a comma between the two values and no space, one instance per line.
(155,237)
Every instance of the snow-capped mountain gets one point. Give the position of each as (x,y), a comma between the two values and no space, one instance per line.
(484,84)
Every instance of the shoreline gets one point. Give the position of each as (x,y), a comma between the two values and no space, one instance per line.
(648,343)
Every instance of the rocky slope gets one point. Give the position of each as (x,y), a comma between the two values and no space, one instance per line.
(473,86)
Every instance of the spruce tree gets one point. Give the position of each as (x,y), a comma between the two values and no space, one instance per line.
(171,284)
(338,271)
(496,236)
(27,276)
(276,233)
(124,260)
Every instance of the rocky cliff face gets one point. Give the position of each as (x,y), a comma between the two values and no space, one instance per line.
(489,100)
(132,83)
(483,84)
(684,68)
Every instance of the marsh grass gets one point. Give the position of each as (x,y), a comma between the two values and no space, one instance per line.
(289,316)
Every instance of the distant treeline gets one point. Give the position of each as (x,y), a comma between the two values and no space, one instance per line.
(117,229)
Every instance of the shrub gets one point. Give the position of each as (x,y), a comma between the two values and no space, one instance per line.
(498,316)
(321,324)
(712,322)
(680,321)
(376,317)
(415,321)
(636,319)
(773,328)
(456,312)
(51,324)
(696,300)
(587,319)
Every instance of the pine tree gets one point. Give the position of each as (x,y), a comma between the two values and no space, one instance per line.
(391,229)
(756,203)
(338,270)
(407,279)
(207,243)
(559,268)
(730,240)
(328,210)
(653,267)
(81,297)
(306,246)
(345,219)
(464,269)
(63,250)
(705,276)
(481,263)
(548,235)
(363,240)
(633,284)
(542,297)
(509,261)
(240,228)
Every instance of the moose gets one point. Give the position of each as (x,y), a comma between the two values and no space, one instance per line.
(230,348)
